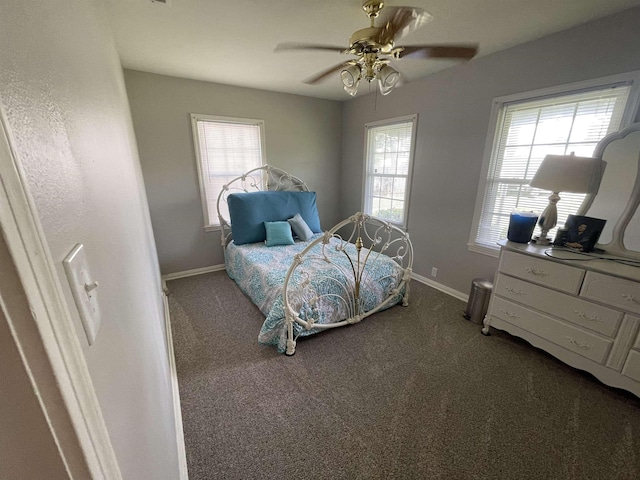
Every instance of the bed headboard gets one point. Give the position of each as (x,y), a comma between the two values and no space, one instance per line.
(262,178)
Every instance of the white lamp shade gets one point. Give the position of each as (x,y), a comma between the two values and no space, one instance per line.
(568,173)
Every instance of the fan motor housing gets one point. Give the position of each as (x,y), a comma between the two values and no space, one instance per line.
(365,38)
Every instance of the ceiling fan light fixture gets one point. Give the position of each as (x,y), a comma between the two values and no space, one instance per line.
(375,46)
(350,76)
(388,78)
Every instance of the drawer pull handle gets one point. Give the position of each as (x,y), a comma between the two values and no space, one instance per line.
(629,298)
(578,344)
(509,314)
(539,273)
(514,291)
(595,318)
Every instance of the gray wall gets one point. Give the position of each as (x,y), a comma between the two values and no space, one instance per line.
(302,136)
(453,109)
(62,88)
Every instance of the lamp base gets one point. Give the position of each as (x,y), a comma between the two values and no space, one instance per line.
(547,221)
(541,240)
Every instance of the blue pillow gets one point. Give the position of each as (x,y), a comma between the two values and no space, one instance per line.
(278,233)
(300,228)
(249,211)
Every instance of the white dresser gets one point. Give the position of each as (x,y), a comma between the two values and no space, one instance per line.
(586,313)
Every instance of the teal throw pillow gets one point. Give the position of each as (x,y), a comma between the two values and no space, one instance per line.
(278,233)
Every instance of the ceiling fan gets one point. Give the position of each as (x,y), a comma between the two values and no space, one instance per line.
(375,48)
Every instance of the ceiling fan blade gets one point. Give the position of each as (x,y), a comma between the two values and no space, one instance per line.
(424,52)
(324,74)
(282,47)
(396,22)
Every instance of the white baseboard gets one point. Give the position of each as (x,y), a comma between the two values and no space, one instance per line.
(177,411)
(191,273)
(442,288)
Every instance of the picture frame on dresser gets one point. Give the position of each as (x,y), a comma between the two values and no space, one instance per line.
(580,233)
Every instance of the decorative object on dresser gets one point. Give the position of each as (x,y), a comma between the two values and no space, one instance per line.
(564,173)
(521,226)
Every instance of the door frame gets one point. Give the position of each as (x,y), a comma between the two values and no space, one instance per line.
(47,340)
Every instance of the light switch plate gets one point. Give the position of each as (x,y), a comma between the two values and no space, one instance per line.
(84,289)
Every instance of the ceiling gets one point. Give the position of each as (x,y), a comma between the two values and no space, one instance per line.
(232,41)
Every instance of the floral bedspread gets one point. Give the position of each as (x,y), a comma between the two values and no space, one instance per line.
(260,273)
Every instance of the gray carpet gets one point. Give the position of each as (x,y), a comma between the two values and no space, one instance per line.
(411,392)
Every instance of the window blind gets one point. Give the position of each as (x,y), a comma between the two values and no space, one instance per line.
(527,132)
(388,166)
(226,150)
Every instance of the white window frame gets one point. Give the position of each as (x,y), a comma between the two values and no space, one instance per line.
(631,79)
(195,118)
(367,186)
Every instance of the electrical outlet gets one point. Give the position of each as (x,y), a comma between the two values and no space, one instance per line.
(434,272)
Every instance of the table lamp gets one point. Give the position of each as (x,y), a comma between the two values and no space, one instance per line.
(564,173)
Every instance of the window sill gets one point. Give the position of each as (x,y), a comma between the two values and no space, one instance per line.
(484,249)
(212,228)
(400,225)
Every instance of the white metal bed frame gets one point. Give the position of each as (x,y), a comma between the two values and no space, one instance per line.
(373,240)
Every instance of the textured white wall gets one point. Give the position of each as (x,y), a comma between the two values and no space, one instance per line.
(62,88)
(453,110)
(302,136)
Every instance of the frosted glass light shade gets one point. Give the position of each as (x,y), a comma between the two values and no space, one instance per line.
(387,79)
(568,173)
(350,76)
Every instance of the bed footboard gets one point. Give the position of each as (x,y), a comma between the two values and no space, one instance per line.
(359,267)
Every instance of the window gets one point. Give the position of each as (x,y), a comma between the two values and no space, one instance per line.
(225,149)
(388,165)
(527,128)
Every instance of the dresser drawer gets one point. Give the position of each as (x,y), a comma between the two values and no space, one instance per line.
(632,366)
(612,290)
(578,341)
(573,309)
(544,272)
